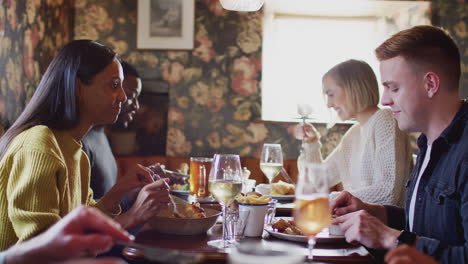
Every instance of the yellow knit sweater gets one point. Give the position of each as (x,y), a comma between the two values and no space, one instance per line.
(44,175)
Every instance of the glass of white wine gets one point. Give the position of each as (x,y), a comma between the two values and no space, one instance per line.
(225,183)
(311,209)
(271,161)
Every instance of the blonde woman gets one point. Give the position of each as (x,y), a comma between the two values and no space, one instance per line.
(373,159)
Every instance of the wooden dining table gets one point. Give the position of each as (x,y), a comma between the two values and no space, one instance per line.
(326,250)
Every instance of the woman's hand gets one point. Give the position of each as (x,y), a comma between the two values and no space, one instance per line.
(159,171)
(151,199)
(84,232)
(307,131)
(136,177)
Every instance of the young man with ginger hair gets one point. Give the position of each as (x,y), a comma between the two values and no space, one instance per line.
(420,72)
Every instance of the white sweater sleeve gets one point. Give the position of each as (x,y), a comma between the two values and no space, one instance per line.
(311,154)
(391,163)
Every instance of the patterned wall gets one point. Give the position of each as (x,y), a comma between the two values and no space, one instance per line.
(214,89)
(453,16)
(31,32)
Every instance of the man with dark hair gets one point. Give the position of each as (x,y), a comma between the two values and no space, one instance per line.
(132,87)
(420,72)
(96,144)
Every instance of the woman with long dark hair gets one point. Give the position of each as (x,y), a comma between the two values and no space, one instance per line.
(44,172)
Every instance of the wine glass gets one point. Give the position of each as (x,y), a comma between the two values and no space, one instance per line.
(225,183)
(311,209)
(304,110)
(271,161)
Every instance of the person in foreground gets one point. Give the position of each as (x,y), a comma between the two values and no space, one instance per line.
(373,159)
(84,232)
(420,71)
(96,145)
(408,255)
(44,173)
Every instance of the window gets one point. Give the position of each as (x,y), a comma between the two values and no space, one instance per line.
(303,39)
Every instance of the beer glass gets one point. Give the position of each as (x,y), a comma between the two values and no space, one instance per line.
(199,173)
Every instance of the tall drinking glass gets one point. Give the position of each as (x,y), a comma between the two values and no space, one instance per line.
(311,210)
(199,173)
(225,183)
(271,161)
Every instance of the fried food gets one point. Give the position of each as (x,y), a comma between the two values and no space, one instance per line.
(179,187)
(183,168)
(193,210)
(280,225)
(282,188)
(253,198)
(187,211)
(286,227)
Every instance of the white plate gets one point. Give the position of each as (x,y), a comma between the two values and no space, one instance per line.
(180,193)
(283,198)
(322,237)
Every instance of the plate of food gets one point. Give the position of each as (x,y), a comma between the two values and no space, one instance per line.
(281,191)
(180,190)
(286,229)
(283,198)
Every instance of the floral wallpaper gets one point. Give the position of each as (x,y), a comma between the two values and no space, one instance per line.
(31,32)
(214,89)
(453,16)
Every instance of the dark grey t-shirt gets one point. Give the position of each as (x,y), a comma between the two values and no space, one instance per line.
(102,161)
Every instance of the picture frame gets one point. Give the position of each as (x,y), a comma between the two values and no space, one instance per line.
(165,24)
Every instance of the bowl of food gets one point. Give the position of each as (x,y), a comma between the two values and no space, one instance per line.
(190,219)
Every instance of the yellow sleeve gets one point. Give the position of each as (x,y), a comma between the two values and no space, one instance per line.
(100,206)
(32,192)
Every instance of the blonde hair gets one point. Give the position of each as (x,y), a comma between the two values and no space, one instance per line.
(358,81)
(425,46)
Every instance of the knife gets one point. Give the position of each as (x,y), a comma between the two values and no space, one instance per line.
(164,255)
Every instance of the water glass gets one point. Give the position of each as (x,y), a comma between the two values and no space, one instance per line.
(236,223)
(225,183)
(271,211)
(248,185)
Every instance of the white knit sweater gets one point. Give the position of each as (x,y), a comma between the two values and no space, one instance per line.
(373,160)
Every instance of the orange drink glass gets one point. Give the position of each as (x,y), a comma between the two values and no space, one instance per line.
(199,174)
(311,208)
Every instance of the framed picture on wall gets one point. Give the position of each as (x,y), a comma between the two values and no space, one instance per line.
(165,24)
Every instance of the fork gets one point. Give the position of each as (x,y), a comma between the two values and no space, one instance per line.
(174,205)
(176,212)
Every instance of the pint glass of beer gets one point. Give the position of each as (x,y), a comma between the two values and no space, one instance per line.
(199,173)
